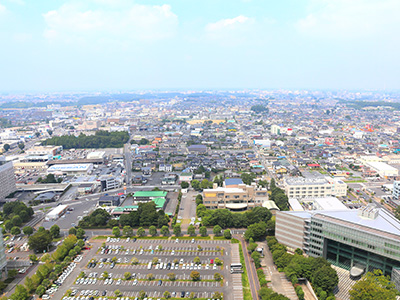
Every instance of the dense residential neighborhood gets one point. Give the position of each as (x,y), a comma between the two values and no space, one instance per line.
(262,180)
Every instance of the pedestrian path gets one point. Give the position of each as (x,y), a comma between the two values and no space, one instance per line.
(236,277)
(345,284)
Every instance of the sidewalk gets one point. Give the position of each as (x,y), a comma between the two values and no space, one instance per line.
(278,281)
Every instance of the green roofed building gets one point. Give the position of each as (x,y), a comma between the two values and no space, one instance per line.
(148,195)
(160,203)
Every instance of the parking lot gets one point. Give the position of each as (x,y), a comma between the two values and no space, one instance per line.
(136,266)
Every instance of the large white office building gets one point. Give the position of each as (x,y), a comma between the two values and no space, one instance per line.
(300,187)
(7,178)
(357,240)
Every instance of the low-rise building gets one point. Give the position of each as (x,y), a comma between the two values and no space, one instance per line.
(299,187)
(241,197)
(72,169)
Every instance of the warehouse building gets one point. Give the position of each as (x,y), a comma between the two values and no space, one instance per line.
(56,212)
(383,169)
(72,169)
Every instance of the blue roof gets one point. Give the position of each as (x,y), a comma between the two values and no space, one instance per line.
(233,181)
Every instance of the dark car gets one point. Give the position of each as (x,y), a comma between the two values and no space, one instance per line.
(104,293)
(182,294)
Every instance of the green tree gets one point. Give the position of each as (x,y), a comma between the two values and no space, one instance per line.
(40,290)
(30,285)
(171,276)
(27,230)
(153,230)
(20,293)
(150,276)
(127,231)
(167,294)
(116,232)
(127,275)
(184,184)
(6,147)
(72,230)
(21,146)
(195,276)
(165,230)
(40,240)
(80,233)
(134,261)
(203,231)
(195,184)
(8,225)
(142,294)
(326,278)
(118,293)
(217,230)
(205,184)
(105,275)
(373,286)
(17,221)
(197,260)
(227,234)
(15,230)
(217,277)
(217,295)
(256,231)
(201,210)
(55,231)
(141,231)
(33,258)
(154,261)
(177,230)
(191,230)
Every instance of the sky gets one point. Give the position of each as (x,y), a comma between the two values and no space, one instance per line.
(123,45)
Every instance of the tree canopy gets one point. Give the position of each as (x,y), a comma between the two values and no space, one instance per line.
(374,286)
(101,139)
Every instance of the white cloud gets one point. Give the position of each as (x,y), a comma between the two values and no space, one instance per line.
(230,24)
(230,31)
(350,19)
(3,9)
(76,22)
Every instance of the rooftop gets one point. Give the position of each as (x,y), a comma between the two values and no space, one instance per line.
(156,194)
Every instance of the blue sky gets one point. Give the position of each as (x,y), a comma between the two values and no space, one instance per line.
(81,45)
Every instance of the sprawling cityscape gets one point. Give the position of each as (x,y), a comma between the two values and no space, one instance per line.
(209,150)
(261,194)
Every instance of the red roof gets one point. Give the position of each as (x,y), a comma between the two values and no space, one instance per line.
(313,165)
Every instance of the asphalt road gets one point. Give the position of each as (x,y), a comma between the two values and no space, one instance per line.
(251,269)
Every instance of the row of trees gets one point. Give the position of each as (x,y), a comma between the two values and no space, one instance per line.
(41,239)
(101,139)
(227,219)
(15,214)
(278,196)
(50,178)
(146,215)
(317,270)
(49,271)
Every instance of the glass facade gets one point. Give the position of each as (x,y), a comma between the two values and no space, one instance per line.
(346,256)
